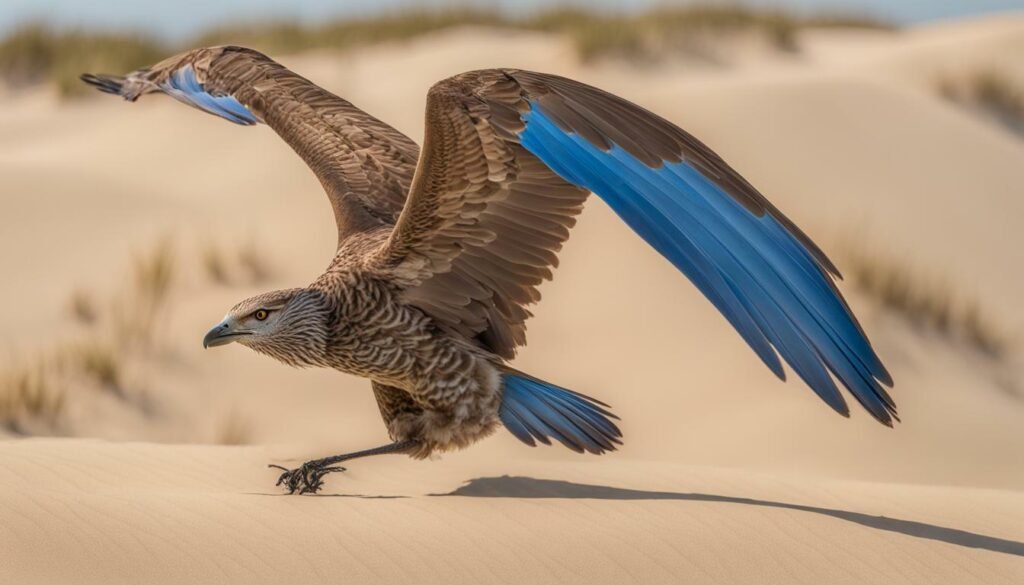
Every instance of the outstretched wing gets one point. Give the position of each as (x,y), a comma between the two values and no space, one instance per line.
(508,155)
(365,165)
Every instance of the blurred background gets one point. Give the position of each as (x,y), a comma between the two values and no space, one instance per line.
(891,131)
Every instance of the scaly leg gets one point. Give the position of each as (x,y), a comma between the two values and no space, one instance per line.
(308,478)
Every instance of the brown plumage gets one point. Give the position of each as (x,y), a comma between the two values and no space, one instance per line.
(440,251)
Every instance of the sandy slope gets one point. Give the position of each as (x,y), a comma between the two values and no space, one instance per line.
(89,512)
(847,139)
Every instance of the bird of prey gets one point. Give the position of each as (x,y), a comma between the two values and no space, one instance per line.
(441,248)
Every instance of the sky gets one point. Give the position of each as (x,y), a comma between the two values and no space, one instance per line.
(175,19)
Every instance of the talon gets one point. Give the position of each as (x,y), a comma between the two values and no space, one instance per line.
(307,478)
(284,476)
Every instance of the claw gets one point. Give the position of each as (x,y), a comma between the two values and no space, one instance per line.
(306,479)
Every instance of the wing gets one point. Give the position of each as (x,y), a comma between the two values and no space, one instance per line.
(484,219)
(488,217)
(365,166)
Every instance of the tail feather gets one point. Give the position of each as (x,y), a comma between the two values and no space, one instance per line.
(534,410)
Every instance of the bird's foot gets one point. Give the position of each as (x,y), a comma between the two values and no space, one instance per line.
(308,478)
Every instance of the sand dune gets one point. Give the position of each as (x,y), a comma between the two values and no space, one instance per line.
(727,475)
(91,512)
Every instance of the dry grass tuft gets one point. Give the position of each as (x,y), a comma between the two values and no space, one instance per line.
(30,394)
(215,265)
(137,314)
(83,308)
(290,37)
(247,264)
(36,52)
(154,274)
(99,359)
(989,92)
(928,303)
(664,31)
(255,263)
(102,364)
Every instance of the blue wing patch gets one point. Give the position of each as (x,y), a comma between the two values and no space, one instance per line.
(758,275)
(183,86)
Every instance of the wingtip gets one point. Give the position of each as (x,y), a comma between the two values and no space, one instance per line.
(887,416)
(112,84)
(894,417)
(884,376)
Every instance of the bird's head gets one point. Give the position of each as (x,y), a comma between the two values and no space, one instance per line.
(289,325)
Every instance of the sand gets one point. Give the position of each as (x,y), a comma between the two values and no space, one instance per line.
(92,512)
(727,475)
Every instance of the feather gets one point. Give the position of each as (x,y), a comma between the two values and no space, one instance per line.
(532,409)
(756,272)
(183,86)
(365,166)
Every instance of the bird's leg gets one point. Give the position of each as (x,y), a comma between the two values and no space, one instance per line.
(309,476)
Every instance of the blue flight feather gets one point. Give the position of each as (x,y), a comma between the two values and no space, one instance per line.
(758,275)
(183,86)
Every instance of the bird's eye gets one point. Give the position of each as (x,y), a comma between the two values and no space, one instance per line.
(260,314)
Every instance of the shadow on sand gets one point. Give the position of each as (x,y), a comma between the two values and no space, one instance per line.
(528,487)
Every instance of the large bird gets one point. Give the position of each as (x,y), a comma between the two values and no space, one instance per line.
(441,248)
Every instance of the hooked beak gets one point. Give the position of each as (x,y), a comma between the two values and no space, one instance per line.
(223,333)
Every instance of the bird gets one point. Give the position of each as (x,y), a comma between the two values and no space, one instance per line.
(440,249)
